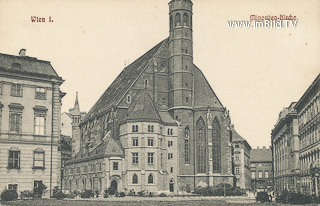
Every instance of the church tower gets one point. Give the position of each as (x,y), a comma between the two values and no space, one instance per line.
(181,81)
(76,118)
(180,55)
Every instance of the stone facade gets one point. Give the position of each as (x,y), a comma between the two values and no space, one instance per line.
(182,97)
(308,109)
(285,145)
(241,160)
(29,123)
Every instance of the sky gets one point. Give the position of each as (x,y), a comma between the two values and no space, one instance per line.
(254,72)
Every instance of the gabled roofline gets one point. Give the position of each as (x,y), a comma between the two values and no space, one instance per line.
(113,106)
(163,42)
(209,85)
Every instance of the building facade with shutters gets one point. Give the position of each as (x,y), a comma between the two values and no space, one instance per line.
(285,148)
(30,101)
(188,114)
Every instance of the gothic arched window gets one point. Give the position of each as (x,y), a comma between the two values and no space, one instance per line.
(186,146)
(178,19)
(171,22)
(216,146)
(150,179)
(185,19)
(135,179)
(201,146)
(146,83)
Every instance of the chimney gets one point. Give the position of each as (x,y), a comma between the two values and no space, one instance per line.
(258,147)
(264,147)
(22,52)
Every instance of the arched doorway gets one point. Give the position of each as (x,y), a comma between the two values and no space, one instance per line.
(171,185)
(114,184)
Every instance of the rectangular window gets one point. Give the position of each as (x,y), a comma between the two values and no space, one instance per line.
(237,157)
(150,141)
(13,187)
(150,128)
(171,169)
(266,175)
(170,143)
(170,155)
(238,179)
(71,171)
(39,125)
(135,158)
(16,90)
(40,93)
(14,160)
(115,165)
(260,175)
(15,122)
(38,159)
(99,166)
(135,128)
(135,141)
(150,158)
(78,170)
(253,175)
(237,170)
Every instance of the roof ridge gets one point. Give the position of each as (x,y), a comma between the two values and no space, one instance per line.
(114,102)
(162,42)
(209,85)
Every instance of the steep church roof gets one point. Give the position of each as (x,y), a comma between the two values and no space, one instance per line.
(204,95)
(142,108)
(122,83)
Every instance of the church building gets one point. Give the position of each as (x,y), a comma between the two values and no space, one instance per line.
(159,127)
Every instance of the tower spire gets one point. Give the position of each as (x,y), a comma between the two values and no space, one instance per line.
(76,103)
(76,108)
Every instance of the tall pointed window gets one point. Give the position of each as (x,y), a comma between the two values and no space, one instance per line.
(178,19)
(216,146)
(171,22)
(201,146)
(135,179)
(150,179)
(186,146)
(185,19)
